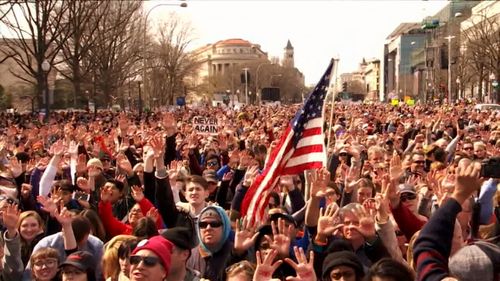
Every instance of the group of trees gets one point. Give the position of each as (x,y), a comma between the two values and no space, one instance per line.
(98,46)
(480,54)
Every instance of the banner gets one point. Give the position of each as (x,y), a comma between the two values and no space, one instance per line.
(206,125)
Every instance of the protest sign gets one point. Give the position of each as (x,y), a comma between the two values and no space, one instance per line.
(206,125)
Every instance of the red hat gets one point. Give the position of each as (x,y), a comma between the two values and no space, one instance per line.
(160,246)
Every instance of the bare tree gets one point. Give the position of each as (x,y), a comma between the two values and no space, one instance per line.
(482,41)
(115,54)
(169,60)
(36,28)
(83,19)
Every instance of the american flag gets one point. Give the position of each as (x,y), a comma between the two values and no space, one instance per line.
(301,147)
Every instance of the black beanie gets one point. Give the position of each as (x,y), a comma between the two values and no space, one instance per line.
(181,237)
(345,258)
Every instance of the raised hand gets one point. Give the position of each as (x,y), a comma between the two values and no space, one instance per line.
(396,168)
(64,217)
(158,146)
(15,167)
(250,176)
(303,268)
(137,193)
(467,182)
(266,265)
(153,214)
(245,235)
(319,181)
(105,194)
(73,148)
(10,217)
(58,148)
(228,176)
(123,163)
(366,222)
(327,221)
(48,204)
(281,237)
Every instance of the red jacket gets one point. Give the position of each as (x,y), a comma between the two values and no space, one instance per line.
(114,226)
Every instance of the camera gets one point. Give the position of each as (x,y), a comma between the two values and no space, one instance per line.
(490,168)
(77,195)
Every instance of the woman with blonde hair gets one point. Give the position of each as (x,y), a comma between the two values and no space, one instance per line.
(31,230)
(111,259)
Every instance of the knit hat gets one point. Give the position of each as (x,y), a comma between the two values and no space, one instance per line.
(181,237)
(479,261)
(160,246)
(95,162)
(81,260)
(345,258)
(217,213)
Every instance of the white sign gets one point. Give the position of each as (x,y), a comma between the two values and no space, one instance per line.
(206,125)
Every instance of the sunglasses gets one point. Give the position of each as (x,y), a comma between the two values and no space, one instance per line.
(419,162)
(213,224)
(147,261)
(342,154)
(211,164)
(468,148)
(408,196)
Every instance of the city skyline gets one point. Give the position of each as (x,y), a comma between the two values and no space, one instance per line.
(370,21)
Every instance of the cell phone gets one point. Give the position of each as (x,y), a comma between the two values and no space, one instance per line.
(77,195)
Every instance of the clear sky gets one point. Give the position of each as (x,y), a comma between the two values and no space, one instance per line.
(318,30)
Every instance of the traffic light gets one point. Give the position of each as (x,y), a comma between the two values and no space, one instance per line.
(344,87)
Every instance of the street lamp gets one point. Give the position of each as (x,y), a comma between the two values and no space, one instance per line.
(246,85)
(182,5)
(45,69)
(449,66)
(139,104)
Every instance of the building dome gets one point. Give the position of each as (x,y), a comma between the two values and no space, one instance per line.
(233,42)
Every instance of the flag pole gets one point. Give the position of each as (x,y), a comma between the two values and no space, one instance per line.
(332,74)
(332,90)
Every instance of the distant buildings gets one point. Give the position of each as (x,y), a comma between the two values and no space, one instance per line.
(221,74)
(417,56)
(365,81)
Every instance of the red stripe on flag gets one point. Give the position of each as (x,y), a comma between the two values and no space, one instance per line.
(312,132)
(300,168)
(308,149)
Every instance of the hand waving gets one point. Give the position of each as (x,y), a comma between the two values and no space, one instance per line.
(10,218)
(266,265)
(327,220)
(245,235)
(137,193)
(303,268)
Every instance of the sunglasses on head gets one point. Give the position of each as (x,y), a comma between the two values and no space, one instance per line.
(147,261)
(407,196)
(213,224)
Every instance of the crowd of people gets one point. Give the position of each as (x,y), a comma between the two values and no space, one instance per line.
(407,193)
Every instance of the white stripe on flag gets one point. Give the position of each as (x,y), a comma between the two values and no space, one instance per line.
(306,158)
(314,123)
(312,140)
